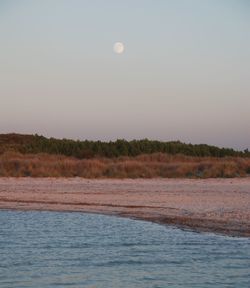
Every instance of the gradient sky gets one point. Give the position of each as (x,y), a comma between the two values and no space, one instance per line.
(184,74)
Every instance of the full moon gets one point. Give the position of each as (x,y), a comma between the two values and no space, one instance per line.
(118,47)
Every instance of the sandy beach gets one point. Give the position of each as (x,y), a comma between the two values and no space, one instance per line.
(212,205)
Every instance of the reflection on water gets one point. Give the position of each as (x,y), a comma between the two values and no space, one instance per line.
(50,249)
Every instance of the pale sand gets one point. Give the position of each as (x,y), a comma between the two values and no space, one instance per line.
(214,205)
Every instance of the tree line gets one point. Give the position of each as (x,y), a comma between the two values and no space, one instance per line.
(90,149)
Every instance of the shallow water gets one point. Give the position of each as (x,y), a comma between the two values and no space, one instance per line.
(52,249)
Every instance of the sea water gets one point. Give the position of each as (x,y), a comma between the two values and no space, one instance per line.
(52,249)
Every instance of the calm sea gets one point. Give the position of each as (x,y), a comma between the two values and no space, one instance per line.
(50,249)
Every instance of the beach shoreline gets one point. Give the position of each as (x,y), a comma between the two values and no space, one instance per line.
(205,205)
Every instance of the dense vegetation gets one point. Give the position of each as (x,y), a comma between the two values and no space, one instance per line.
(37,156)
(35,144)
(143,166)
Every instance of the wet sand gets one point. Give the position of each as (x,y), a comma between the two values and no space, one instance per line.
(212,205)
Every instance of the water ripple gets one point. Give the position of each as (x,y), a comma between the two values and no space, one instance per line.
(51,249)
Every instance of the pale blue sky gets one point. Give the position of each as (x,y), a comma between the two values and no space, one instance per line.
(184,74)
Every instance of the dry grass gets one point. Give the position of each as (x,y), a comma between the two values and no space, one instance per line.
(13,164)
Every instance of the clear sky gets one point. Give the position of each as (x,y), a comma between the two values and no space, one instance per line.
(184,74)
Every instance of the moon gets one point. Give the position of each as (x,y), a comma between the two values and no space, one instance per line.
(118,47)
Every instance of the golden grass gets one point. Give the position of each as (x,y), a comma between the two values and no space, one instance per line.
(14,164)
